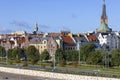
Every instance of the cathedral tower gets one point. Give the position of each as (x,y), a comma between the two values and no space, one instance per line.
(104,18)
(104,21)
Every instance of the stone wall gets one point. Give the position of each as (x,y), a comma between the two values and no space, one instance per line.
(52,74)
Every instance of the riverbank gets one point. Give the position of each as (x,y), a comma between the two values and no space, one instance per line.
(52,74)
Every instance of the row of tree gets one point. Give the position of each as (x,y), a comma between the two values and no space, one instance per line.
(90,55)
(87,54)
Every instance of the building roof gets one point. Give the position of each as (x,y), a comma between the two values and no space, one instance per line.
(54,34)
(103,28)
(68,40)
(80,38)
(92,38)
(35,41)
(21,41)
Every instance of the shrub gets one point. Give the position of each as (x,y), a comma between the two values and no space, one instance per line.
(62,63)
(25,64)
(75,64)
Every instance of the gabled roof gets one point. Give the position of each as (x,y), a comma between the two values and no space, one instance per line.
(92,38)
(35,41)
(103,28)
(54,34)
(68,40)
(80,38)
(21,41)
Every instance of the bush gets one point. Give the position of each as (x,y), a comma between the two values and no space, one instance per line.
(17,61)
(10,62)
(75,64)
(25,64)
(69,63)
(62,63)
(43,65)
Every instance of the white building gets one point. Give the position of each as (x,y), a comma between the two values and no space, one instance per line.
(110,39)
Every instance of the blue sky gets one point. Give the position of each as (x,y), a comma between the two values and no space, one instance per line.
(78,16)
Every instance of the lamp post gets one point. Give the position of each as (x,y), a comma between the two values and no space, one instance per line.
(107,57)
(6,56)
(53,62)
(53,58)
(40,54)
(79,51)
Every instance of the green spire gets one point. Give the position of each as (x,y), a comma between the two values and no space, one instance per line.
(103,28)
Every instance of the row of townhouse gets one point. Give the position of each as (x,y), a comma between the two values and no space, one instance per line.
(10,41)
(50,41)
(64,40)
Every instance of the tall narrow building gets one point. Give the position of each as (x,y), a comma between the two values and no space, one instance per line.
(103,28)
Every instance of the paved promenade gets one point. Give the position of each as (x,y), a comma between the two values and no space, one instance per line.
(10,76)
(51,75)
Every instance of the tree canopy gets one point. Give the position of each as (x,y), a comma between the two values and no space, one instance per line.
(33,54)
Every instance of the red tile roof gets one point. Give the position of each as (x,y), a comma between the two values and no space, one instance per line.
(92,38)
(54,34)
(21,41)
(68,40)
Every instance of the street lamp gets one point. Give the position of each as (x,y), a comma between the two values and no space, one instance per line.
(53,58)
(107,57)
(40,54)
(79,52)
(6,56)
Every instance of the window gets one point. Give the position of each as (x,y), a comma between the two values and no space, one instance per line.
(44,42)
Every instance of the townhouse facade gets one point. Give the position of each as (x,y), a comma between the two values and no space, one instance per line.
(109,39)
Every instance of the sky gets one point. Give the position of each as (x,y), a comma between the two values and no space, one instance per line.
(77,16)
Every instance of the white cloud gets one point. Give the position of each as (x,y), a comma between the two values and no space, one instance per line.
(20,24)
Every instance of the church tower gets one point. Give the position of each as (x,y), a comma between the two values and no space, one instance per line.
(35,29)
(104,18)
(104,21)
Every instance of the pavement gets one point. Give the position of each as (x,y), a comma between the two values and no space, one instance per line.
(9,76)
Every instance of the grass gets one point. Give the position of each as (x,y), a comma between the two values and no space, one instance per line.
(103,71)
(95,67)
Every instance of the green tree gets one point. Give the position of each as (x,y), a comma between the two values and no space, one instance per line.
(68,55)
(61,57)
(59,54)
(2,52)
(115,57)
(9,52)
(95,58)
(75,55)
(45,55)
(86,50)
(15,53)
(21,53)
(32,54)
